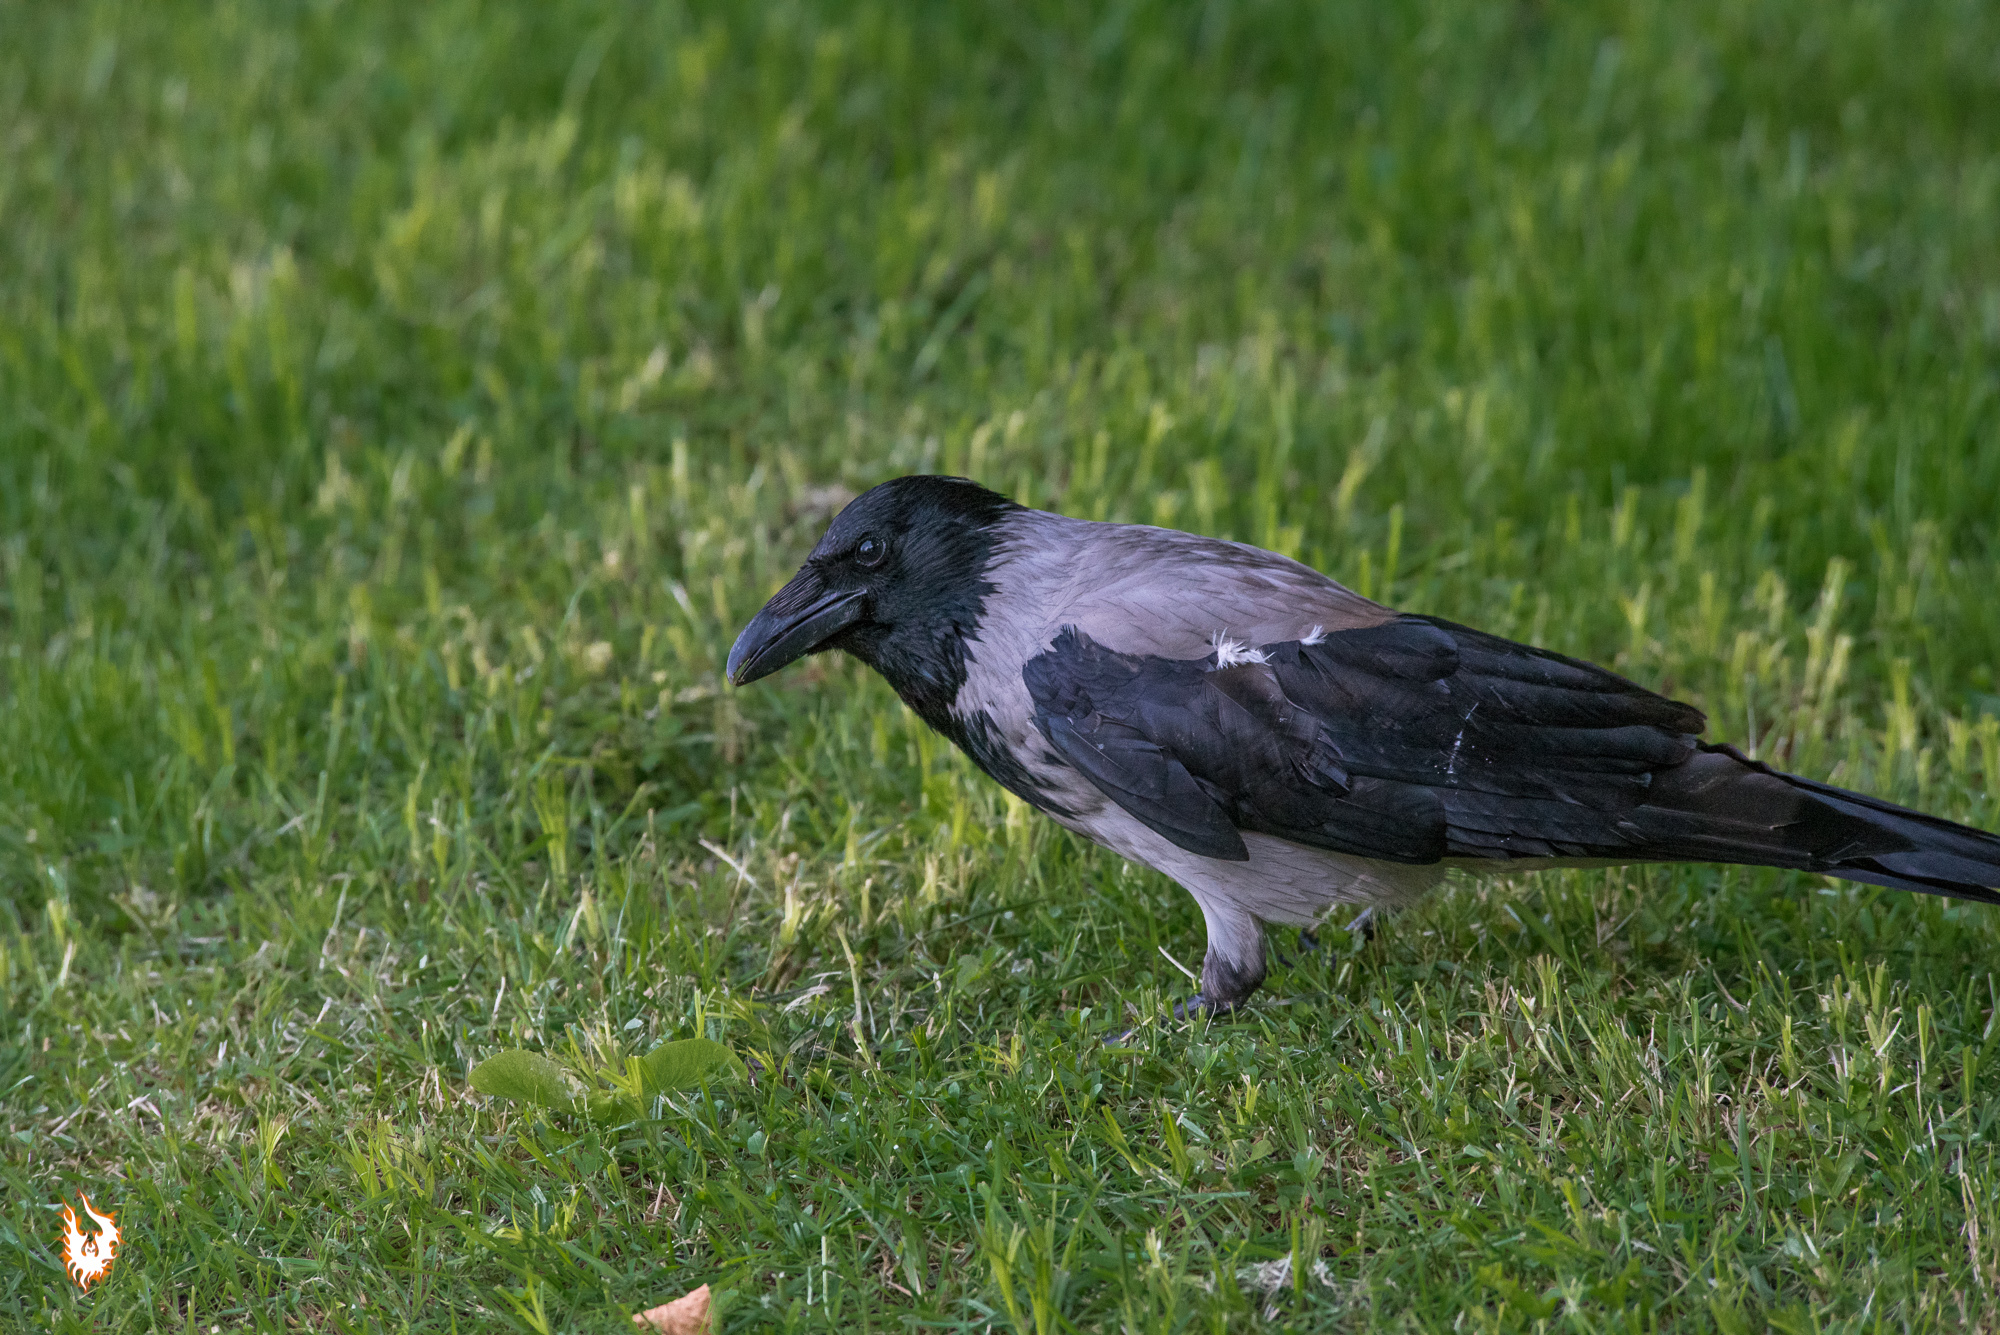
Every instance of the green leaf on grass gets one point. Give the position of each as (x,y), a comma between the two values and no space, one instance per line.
(526,1077)
(673,1067)
(612,1109)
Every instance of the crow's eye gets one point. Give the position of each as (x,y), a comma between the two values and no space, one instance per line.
(870,552)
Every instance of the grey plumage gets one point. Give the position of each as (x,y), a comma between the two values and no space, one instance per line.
(1280,745)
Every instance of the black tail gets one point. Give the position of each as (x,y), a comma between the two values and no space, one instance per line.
(1722,806)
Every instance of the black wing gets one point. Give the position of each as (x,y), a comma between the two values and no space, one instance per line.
(1417,740)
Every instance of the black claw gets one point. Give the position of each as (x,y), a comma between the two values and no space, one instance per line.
(1202,1006)
(1196,1007)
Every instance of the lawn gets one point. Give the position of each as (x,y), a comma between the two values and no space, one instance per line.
(402,407)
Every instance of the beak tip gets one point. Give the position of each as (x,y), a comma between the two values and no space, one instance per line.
(775,638)
(732,669)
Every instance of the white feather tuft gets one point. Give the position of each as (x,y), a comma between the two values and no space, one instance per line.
(1232,653)
(1317,635)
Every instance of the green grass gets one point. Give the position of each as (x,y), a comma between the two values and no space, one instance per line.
(401,408)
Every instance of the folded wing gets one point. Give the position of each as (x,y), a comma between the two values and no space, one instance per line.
(1416,740)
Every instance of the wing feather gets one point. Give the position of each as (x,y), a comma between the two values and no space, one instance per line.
(1410,741)
(1415,740)
(1152,785)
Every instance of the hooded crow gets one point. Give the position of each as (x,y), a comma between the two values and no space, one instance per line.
(1280,745)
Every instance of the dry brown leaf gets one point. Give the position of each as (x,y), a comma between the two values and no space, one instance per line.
(685,1315)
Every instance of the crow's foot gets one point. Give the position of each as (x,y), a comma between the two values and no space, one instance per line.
(1197,1007)
(1201,1007)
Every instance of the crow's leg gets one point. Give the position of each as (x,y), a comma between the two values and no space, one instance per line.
(1227,981)
(1225,985)
(1233,968)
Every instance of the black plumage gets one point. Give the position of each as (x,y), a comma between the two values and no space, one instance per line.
(1418,740)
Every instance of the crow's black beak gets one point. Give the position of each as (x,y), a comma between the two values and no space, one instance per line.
(800,618)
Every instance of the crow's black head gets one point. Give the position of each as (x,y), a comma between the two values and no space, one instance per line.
(898,581)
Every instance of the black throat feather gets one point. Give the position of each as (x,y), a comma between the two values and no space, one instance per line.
(946,534)
(943,532)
